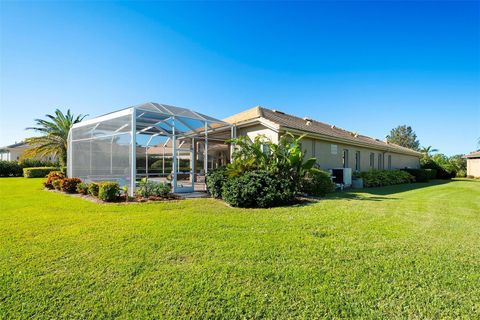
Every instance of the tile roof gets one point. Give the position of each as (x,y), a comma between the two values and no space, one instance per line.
(306,125)
(475,154)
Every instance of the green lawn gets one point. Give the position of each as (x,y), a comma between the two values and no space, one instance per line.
(395,252)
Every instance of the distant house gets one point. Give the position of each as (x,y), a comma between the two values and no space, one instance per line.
(333,147)
(14,151)
(473,164)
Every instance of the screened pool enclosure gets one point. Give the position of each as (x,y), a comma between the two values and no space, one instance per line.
(160,142)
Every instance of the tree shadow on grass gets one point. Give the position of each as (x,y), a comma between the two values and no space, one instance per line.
(383,193)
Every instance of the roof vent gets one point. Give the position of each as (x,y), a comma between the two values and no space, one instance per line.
(308,120)
(278,111)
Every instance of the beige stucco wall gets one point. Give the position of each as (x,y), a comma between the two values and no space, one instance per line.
(322,150)
(473,167)
(258,129)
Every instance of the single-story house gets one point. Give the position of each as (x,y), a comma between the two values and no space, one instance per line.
(473,164)
(332,146)
(179,145)
(14,152)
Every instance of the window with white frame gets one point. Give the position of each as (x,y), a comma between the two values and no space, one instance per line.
(345,158)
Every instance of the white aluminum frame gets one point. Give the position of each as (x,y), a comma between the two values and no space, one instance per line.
(142,115)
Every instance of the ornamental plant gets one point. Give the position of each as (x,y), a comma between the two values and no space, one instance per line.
(69,185)
(52,176)
(108,191)
(82,188)
(93,189)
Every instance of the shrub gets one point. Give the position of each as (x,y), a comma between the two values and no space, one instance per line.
(378,178)
(93,189)
(420,175)
(317,183)
(214,181)
(10,169)
(148,188)
(441,173)
(108,191)
(431,173)
(82,188)
(37,172)
(52,176)
(261,189)
(461,173)
(69,185)
(30,163)
(57,184)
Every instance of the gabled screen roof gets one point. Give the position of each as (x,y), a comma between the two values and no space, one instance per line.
(156,118)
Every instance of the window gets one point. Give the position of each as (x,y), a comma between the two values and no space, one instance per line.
(380,161)
(345,158)
(389,162)
(357,161)
(372,160)
(333,149)
(265,148)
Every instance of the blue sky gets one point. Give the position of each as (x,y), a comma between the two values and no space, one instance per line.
(363,66)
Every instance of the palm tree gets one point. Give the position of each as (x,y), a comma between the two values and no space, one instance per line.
(427,151)
(53,140)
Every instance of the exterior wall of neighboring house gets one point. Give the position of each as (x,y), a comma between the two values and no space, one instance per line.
(14,152)
(473,167)
(11,154)
(330,154)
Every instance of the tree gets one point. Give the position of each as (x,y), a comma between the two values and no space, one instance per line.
(53,140)
(404,136)
(427,153)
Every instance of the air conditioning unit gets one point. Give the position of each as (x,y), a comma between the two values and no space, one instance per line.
(342,176)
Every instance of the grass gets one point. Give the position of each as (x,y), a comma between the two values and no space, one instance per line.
(410,251)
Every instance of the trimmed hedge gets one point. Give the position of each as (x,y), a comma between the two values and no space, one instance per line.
(421,175)
(31,163)
(37,172)
(108,191)
(10,169)
(258,189)
(214,181)
(317,183)
(379,178)
(69,185)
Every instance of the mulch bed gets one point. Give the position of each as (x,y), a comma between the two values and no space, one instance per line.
(121,199)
